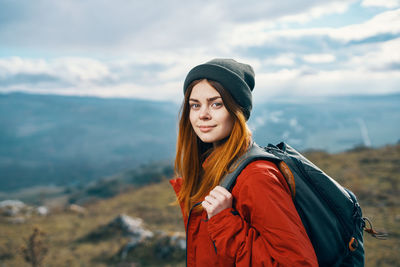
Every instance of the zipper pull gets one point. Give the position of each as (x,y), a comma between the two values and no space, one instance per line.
(371,231)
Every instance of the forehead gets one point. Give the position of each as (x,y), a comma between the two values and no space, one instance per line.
(203,90)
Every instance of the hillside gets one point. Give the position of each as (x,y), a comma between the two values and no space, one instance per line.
(64,141)
(373,174)
(69,140)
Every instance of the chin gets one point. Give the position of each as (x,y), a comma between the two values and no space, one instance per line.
(207,140)
(210,140)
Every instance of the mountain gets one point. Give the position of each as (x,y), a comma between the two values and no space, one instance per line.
(332,124)
(69,140)
(62,140)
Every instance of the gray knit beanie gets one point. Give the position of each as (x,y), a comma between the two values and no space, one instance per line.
(237,78)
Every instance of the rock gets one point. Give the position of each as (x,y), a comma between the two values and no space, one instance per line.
(42,210)
(143,246)
(169,244)
(121,226)
(162,246)
(12,207)
(131,226)
(19,211)
(77,209)
(178,239)
(127,227)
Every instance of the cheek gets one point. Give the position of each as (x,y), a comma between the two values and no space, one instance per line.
(230,123)
(192,118)
(227,123)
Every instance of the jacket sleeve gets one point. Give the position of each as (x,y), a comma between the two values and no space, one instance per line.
(264,229)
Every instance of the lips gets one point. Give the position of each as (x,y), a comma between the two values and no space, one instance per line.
(206,129)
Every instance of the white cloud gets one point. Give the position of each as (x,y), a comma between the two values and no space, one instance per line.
(317,12)
(166,91)
(384,23)
(69,69)
(381,58)
(84,76)
(117,27)
(14,65)
(128,27)
(381,3)
(80,69)
(275,116)
(257,122)
(138,49)
(319,58)
(281,60)
(336,82)
(293,122)
(374,69)
(264,32)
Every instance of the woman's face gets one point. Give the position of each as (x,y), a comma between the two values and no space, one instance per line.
(210,119)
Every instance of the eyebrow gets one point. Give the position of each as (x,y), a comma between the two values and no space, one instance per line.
(208,99)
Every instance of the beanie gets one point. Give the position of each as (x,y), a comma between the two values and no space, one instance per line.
(237,78)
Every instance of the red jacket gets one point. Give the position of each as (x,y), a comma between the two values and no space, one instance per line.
(262,228)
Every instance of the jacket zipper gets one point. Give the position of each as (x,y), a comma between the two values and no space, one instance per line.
(187,229)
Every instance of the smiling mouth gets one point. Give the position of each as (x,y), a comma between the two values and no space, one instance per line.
(205,129)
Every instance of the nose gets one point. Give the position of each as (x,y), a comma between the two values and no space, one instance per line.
(204,113)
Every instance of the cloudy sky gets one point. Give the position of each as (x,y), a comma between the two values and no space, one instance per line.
(143,49)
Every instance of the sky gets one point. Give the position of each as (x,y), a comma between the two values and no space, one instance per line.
(144,49)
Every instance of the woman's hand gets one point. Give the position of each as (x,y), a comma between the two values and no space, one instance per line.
(217,200)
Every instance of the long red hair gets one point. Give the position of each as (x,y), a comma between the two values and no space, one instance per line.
(200,177)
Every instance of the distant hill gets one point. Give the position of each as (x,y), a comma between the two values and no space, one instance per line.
(61,140)
(332,124)
(68,140)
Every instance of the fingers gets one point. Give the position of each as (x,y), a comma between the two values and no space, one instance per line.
(210,208)
(218,194)
(217,200)
(211,200)
(220,191)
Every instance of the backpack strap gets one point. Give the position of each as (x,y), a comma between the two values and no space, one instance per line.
(253,153)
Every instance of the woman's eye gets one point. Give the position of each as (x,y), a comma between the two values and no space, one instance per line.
(194,106)
(217,104)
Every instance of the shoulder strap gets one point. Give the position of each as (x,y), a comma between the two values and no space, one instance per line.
(253,153)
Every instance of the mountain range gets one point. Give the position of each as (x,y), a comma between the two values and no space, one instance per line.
(70,140)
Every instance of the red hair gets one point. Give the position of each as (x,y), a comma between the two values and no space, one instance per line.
(200,178)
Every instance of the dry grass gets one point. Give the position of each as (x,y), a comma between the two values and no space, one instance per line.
(374,175)
(65,228)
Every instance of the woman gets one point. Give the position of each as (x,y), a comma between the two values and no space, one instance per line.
(255,225)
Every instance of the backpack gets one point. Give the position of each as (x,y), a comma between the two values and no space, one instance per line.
(329,212)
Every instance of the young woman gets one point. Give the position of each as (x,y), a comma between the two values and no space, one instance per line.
(255,225)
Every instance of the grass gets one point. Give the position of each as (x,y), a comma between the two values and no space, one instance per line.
(373,174)
(63,228)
